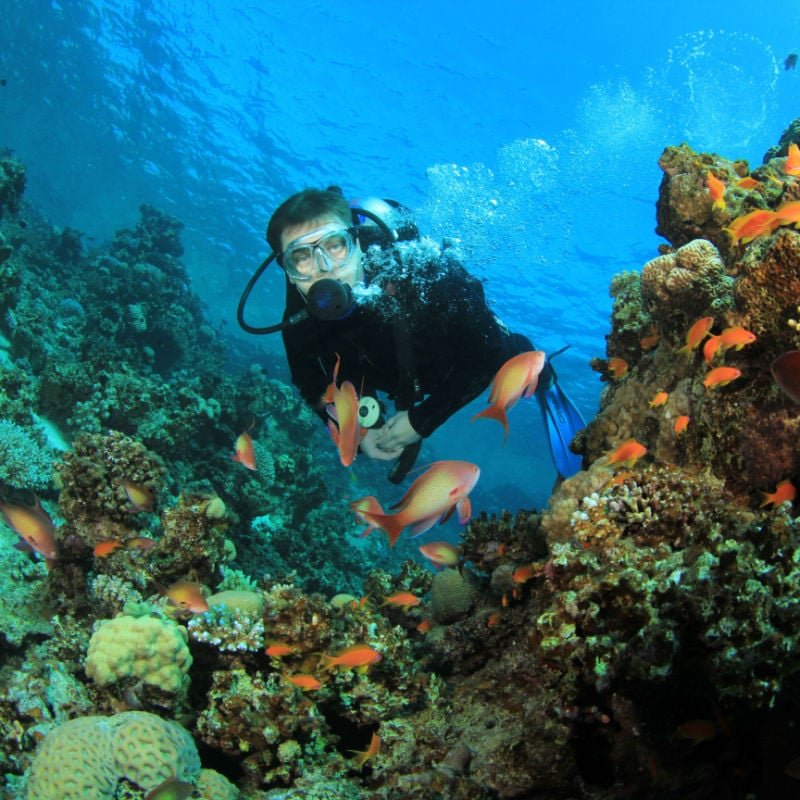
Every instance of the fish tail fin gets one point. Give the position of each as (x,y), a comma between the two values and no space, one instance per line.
(496,413)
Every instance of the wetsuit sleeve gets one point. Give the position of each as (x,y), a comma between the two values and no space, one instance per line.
(304,367)
(464,346)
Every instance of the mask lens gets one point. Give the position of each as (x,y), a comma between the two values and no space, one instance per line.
(328,253)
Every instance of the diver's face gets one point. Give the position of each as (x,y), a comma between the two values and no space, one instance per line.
(321,248)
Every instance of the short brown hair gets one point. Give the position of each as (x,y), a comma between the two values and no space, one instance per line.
(305,206)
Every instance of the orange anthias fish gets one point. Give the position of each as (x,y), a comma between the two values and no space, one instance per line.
(792,165)
(33,525)
(139,543)
(789,213)
(716,189)
(187,595)
(279,649)
(440,553)
(784,493)
(760,222)
(786,372)
(304,681)
(433,496)
(245,451)
(342,405)
(721,376)
(628,453)
(106,548)
(617,368)
(404,600)
(650,341)
(680,425)
(171,789)
(736,338)
(659,399)
(711,348)
(748,183)
(362,756)
(370,505)
(696,334)
(518,377)
(139,496)
(359,655)
(523,574)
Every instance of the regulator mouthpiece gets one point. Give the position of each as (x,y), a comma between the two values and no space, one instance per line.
(329,300)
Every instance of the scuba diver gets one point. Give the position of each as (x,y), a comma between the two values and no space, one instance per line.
(400,315)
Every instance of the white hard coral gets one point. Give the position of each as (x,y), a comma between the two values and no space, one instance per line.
(693,277)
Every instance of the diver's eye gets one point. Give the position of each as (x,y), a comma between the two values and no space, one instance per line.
(335,246)
(301,258)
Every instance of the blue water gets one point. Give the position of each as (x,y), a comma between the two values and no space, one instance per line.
(529,133)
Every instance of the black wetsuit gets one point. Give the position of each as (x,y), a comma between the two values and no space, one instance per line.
(439,311)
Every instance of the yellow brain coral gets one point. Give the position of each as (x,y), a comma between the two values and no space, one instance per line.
(87,757)
(151,649)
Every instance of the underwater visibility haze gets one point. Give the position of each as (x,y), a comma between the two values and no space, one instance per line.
(205,594)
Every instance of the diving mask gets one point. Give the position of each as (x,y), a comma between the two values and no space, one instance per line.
(325,249)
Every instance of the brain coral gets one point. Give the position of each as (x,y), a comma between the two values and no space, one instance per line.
(214,786)
(151,649)
(452,596)
(692,280)
(87,757)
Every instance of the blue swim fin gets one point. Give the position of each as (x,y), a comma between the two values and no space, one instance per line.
(562,420)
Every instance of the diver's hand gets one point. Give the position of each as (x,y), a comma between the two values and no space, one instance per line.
(397,433)
(369,445)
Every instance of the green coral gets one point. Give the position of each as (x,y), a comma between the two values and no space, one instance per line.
(25,462)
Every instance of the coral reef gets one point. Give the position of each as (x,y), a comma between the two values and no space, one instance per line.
(633,639)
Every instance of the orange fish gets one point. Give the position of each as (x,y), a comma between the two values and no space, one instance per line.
(280,649)
(735,338)
(760,222)
(628,453)
(784,492)
(404,600)
(681,423)
(659,399)
(522,574)
(245,451)
(697,730)
(424,626)
(139,496)
(33,526)
(518,377)
(139,543)
(716,188)
(433,496)
(617,368)
(171,789)
(303,681)
(786,372)
(362,756)
(358,655)
(789,213)
(440,553)
(748,183)
(792,165)
(186,595)
(106,548)
(650,341)
(696,334)
(721,376)
(493,619)
(368,504)
(711,348)
(342,404)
